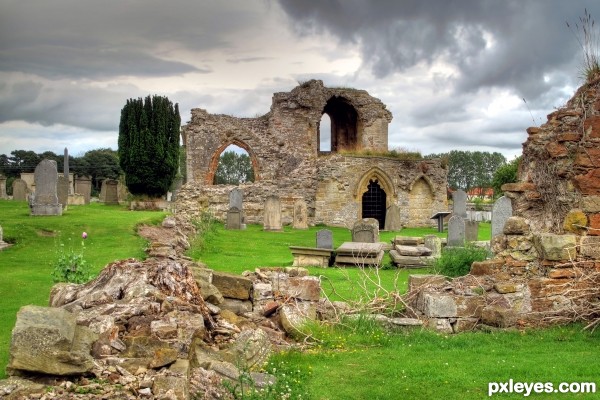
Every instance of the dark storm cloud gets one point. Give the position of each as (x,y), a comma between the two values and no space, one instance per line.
(510,44)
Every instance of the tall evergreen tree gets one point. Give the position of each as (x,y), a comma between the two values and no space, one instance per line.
(149,144)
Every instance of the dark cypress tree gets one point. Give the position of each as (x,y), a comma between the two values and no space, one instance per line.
(149,144)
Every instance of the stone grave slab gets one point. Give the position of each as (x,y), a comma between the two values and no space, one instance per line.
(459,204)
(272,214)
(358,253)
(44,200)
(19,187)
(392,218)
(300,220)
(366,230)
(456,231)
(311,256)
(234,219)
(501,212)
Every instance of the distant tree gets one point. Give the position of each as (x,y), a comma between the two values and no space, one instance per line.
(99,164)
(507,173)
(149,144)
(234,169)
(22,161)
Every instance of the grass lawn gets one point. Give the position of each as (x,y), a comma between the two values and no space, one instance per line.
(26,266)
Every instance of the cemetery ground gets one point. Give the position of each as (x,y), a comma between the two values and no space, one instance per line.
(353,360)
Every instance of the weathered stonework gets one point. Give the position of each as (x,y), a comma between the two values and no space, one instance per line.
(283,146)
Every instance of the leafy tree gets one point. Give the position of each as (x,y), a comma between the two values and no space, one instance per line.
(234,169)
(99,164)
(149,144)
(507,173)
(22,161)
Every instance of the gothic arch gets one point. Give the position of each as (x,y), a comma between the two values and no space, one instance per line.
(376,173)
(344,124)
(214,161)
(426,179)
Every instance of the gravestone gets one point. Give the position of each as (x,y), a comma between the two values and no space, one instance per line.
(3,244)
(471,230)
(236,199)
(83,186)
(3,194)
(433,243)
(501,212)
(392,218)
(234,219)
(62,191)
(272,214)
(109,193)
(456,231)
(44,201)
(459,204)
(300,220)
(324,239)
(19,187)
(366,230)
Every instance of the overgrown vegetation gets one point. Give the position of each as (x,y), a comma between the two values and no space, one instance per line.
(70,265)
(456,261)
(398,154)
(587,36)
(507,173)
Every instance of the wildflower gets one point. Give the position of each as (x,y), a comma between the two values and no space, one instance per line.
(84,235)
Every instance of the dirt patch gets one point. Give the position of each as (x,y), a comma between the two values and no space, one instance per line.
(46,233)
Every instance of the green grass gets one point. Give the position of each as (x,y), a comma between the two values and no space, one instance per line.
(26,266)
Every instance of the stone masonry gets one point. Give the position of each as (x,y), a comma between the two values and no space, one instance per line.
(546,267)
(283,146)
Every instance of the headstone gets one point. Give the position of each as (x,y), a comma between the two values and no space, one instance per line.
(300,220)
(19,187)
(456,231)
(471,230)
(62,191)
(366,230)
(66,169)
(3,244)
(234,219)
(392,218)
(3,194)
(324,239)
(83,186)
(501,212)
(272,214)
(236,198)
(459,204)
(111,193)
(44,200)
(434,243)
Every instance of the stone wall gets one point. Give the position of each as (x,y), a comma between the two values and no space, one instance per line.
(546,267)
(283,146)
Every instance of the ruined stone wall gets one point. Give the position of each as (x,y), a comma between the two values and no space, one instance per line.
(546,267)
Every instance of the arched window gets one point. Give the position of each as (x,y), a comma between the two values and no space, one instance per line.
(344,124)
(374,202)
(234,167)
(325,133)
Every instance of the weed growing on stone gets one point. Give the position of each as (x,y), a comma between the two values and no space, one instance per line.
(70,265)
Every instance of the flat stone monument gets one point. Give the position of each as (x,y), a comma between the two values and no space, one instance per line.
(300,220)
(19,187)
(392,218)
(366,230)
(272,214)
(359,254)
(325,239)
(44,201)
(501,212)
(456,231)
(459,204)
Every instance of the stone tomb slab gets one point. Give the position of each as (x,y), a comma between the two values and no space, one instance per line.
(311,256)
(411,261)
(358,253)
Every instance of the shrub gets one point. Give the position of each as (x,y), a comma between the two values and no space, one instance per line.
(71,266)
(456,261)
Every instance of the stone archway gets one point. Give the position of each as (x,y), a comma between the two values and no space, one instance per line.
(374,202)
(344,124)
(382,192)
(214,161)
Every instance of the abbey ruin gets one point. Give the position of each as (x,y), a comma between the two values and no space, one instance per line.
(350,179)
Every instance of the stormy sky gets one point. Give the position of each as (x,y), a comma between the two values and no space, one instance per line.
(464,74)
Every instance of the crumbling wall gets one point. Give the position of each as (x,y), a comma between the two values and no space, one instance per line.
(546,267)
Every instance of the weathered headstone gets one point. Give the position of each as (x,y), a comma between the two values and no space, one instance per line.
(44,200)
(234,219)
(324,239)
(83,186)
(459,204)
(456,231)
(433,243)
(366,230)
(392,218)
(19,187)
(3,194)
(66,171)
(109,191)
(300,220)
(272,214)
(236,198)
(62,191)
(471,230)
(501,212)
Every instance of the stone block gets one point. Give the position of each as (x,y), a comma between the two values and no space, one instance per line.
(439,305)
(411,261)
(408,240)
(469,306)
(416,281)
(237,306)
(413,250)
(590,204)
(486,267)
(594,225)
(575,221)
(499,317)
(590,247)
(301,288)
(507,287)
(293,316)
(262,291)
(556,247)
(516,226)
(464,324)
(588,183)
(441,325)
(232,286)
(311,257)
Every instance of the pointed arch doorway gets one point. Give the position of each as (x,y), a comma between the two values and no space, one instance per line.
(374,202)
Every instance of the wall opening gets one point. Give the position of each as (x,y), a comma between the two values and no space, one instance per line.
(325,134)
(374,202)
(234,166)
(344,122)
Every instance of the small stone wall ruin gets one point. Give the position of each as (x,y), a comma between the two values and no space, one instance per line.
(283,146)
(546,267)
